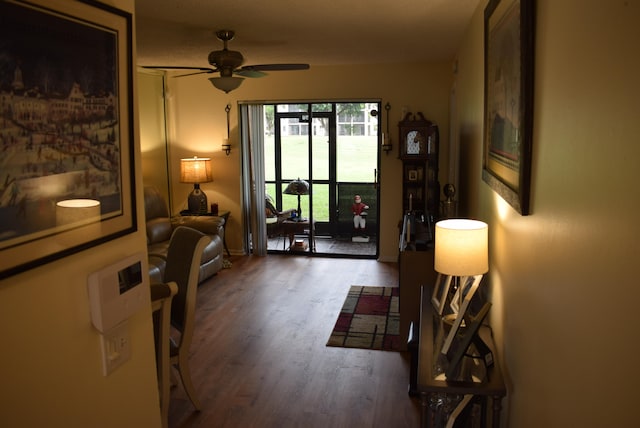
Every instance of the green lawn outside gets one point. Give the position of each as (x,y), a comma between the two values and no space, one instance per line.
(357,160)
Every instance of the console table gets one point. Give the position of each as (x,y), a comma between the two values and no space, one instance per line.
(415,270)
(432,391)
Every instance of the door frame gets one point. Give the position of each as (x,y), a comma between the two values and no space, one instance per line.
(332,226)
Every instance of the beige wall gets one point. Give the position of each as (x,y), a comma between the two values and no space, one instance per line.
(197,125)
(563,279)
(153,135)
(50,364)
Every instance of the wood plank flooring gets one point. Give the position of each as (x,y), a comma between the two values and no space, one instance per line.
(332,246)
(259,355)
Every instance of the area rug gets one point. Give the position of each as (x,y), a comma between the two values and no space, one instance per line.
(369,319)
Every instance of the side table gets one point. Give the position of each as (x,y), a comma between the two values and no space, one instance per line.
(291,228)
(225,215)
(432,390)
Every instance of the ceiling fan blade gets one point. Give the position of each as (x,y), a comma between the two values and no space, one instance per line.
(173,67)
(193,74)
(228,63)
(276,67)
(249,73)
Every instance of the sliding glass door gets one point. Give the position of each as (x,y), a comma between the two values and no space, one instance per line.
(334,147)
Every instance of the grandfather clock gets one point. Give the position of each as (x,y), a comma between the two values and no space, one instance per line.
(418,150)
(418,146)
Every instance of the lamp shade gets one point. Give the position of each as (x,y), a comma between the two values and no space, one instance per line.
(226,84)
(297,187)
(461,247)
(77,211)
(195,170)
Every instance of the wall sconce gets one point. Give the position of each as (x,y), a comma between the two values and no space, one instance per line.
(226,146)
(196,170)
(387,146)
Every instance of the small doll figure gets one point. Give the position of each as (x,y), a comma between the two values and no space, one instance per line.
(359,215)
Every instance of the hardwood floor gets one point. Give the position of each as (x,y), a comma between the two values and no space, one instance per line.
(326,245)
(259,355)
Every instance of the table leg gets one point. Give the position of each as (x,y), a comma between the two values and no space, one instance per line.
(224,243)
(225,216)
(497,408)
(425,410)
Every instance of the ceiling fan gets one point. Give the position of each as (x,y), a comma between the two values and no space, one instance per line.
(229,64)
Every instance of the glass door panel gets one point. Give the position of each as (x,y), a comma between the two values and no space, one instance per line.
(321,170)
(320,204)
(334,146)
(269,147)
(320,159)
(356,166)
(294,143)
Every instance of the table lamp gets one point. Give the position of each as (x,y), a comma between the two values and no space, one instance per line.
(196,170)
(82,216)
(297,187)
(461,251)
(77,212)
(461,247)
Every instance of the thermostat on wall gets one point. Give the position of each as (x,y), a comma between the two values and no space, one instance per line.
(118,291)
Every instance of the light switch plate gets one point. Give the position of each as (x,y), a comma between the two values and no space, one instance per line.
(116,348)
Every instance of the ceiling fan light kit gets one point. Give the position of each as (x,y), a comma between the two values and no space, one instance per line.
(226,84)
(228,62)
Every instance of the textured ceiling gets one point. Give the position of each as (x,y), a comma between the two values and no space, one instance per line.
(329,32)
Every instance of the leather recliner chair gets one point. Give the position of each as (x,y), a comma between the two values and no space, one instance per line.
(160,227)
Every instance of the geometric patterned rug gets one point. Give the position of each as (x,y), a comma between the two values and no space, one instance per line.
(369,319)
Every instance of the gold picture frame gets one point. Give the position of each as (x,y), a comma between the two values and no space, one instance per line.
(509,42)
(70,183)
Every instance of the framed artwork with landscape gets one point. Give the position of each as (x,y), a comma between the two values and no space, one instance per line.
(66,130)
(508,110)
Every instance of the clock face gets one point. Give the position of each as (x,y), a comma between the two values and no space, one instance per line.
(418,137)
(414,143)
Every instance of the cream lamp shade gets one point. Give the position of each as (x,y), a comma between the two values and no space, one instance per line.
(72,211)
(461,247)
(195,170)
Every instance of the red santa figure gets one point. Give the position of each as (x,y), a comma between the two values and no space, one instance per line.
(359,215)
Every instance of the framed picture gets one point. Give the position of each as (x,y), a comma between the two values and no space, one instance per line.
(440,292)
(66,130)
(508,59)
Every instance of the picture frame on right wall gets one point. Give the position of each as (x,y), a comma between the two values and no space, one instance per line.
(508,110)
